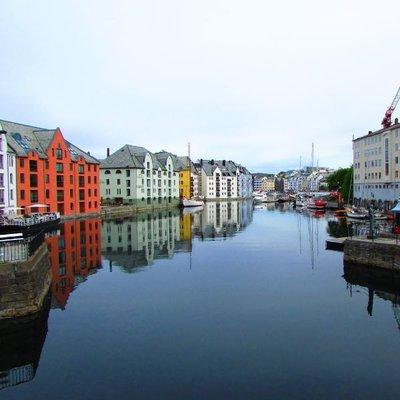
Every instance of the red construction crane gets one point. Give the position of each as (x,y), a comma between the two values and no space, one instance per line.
(387,120)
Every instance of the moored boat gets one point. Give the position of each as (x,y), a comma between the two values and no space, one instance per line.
(317,204)
(192,202)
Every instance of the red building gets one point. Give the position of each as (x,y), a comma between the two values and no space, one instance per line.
(52,171)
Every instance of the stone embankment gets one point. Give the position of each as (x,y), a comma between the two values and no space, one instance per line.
(24,285)
(383,253)
(128,210)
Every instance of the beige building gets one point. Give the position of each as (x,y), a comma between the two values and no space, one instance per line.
(268,184)
(376,167)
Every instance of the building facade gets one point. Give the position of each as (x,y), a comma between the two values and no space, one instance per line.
(268,184)
(7,175)
(134,175)
(51,173)
(376,167)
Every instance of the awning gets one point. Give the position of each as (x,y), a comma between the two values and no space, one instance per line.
(36,206)
(396,208)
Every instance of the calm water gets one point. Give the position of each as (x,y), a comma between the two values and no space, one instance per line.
(228,303)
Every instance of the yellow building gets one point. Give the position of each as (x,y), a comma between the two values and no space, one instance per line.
(184,183)
(268,184)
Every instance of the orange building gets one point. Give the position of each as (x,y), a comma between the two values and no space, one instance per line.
(74,254)
(52,171)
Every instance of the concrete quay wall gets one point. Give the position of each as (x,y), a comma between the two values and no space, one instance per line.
(24,285)
(378,253)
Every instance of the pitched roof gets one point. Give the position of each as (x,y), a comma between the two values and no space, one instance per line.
(24,138)
(126,157)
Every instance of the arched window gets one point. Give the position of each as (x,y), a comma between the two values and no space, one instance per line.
(107,172)
(118,171)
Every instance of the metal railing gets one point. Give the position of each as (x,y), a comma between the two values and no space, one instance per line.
(20,249)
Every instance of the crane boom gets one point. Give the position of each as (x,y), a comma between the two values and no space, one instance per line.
(387,120)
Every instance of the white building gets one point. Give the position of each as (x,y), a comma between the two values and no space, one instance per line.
(134,175)
(224,180)
(376,167)
(7,175)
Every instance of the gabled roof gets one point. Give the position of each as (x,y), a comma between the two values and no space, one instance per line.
(24,138)
(162,157)
(126,157)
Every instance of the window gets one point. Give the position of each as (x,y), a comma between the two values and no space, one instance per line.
(128,183)
(107,181)
(33,180)
(47,193)
(60,195)
(118,171)
(60,180)
(81,168)
(21,162)
(95,179)
(2,196)
(71,179)
(59,167)
(1,180)
(71,193)
(81,194)
(22,194)
(107,172)
(47,164)
(22,178)
(118,181)
(81,181)
(128,192)
(33,165)
(34,196)
(128,173)
(59,154)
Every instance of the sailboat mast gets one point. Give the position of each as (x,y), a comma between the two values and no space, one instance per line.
(190,172)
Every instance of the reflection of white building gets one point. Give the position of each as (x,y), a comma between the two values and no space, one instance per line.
(222,218)
(138,241)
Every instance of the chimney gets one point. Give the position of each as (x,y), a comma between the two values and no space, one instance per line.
(396,121)
(201,161)
(212,162)
(108,152)
(223,163)
(88,153)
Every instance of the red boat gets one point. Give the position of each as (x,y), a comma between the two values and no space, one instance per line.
(317,204)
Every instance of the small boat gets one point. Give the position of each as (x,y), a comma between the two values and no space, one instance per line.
(356,215)
(29,224)
(192,202)
(317,204)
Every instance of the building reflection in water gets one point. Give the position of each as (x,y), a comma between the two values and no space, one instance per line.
(139,240)
(74,254)
(222,219)
(21,345)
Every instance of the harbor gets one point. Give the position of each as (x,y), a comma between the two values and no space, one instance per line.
(153,283)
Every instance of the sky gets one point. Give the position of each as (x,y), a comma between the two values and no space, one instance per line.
(254,81)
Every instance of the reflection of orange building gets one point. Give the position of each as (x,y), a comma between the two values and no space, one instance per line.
(73,254)
(52,171)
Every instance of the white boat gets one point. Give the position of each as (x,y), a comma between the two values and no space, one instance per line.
(192,202)
(356,215)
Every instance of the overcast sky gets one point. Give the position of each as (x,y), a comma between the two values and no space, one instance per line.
(253,81)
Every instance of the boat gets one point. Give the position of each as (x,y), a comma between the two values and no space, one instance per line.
(29,224)
(317,204)
(192,202)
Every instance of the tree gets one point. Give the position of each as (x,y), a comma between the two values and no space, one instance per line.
(342,180)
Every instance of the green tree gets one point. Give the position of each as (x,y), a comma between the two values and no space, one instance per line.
(342,180)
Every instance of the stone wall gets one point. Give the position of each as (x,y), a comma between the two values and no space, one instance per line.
(128,210)
(23,286)
(379,253)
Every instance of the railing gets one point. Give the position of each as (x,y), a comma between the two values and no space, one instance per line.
(19,250)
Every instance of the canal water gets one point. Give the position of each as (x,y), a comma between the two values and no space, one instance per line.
(224,303)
